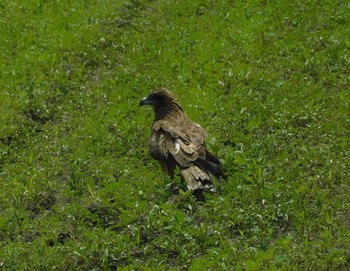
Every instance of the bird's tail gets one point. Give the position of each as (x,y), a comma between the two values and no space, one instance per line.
(199,175)
(212,165)
(197,178)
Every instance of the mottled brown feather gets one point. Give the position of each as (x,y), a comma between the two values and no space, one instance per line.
(175,140)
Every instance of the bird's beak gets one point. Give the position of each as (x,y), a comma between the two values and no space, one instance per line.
(145,101)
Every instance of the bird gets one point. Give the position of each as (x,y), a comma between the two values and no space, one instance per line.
(176,141)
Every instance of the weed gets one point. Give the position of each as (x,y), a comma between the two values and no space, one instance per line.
(269,81)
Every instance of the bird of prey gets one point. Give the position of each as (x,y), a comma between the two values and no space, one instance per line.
(177,141)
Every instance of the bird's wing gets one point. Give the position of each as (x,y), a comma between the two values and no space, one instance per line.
(185,143)
(185,129)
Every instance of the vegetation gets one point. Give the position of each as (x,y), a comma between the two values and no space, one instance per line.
(269,80)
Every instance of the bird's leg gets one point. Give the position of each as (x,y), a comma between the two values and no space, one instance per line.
(171,172)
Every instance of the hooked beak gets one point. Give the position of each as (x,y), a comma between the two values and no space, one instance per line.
(145,101)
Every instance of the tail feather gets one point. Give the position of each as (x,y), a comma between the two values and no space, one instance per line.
(197,178)
(199,175)
(211,164)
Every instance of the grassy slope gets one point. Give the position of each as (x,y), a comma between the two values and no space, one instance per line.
(269,81)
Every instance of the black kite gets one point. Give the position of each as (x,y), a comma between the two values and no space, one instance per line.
(175,140)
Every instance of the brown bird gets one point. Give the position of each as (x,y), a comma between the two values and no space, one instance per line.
(175,140)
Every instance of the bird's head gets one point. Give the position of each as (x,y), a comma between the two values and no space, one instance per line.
(158,98)
(164,104)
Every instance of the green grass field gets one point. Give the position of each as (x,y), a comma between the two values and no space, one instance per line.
(269,80)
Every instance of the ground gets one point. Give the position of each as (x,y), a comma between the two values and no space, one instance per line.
(269,80)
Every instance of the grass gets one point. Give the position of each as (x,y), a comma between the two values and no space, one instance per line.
(268,80)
